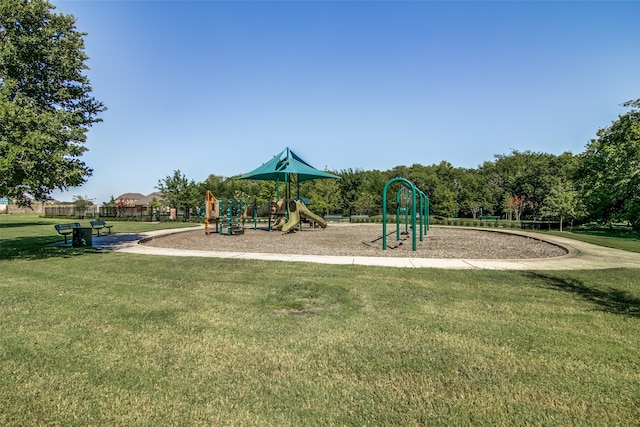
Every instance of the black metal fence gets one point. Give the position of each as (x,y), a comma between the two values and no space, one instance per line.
(70,211)
(541,225)
(125,213)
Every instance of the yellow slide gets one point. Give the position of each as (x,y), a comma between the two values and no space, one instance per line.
(280,222)
(294,217)
(298,209)
(306,213)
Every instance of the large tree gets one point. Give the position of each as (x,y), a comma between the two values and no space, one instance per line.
(325,196)
(529,174)
(350,185)
(46,107)
(563,202)
(474,193)
(609,171)
(180,193)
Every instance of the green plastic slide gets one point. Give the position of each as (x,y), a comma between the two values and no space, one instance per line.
(298,210)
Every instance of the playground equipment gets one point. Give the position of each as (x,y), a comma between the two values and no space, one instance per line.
(406,199)
(288,168)
(234,219)
(232,215)
(277,213)
(212,212)
(297,210)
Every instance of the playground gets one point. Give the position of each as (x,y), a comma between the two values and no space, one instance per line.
(364,240)
(294,229)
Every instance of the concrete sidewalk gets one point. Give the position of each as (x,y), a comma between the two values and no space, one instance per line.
(580,256)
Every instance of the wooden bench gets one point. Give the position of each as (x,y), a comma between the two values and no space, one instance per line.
(66,229)
(99,224)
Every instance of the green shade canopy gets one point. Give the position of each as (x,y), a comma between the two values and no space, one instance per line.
(282,167)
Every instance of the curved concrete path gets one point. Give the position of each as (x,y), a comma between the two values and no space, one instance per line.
(580,256)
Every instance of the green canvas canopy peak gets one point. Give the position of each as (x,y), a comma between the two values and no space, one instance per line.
(283,166)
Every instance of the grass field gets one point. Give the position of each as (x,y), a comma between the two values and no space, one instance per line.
(627,241)
(90,337)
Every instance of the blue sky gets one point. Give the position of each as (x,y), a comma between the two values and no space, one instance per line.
(214,87)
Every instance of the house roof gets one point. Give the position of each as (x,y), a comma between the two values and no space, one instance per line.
(130,196)
(146,200)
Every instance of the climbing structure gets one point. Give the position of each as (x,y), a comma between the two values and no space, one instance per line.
(291,170)
(212,212)
(408,198)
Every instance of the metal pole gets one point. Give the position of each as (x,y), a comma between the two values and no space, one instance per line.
(406,210)
(413,216)
(220,217)
(384,217)
(229,217)
(398,212)
(421,216)
(255,214)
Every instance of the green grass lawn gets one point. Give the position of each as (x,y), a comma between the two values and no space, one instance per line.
(28,236)
(628,241)
(90,337)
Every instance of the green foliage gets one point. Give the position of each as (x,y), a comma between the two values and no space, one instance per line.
(215,184)
(563,202)
(179,192)
(324,195)
(234,189)
(46,106)
(82,203)
(365,205)
(473,192)
(443,200)
(111,202)
(527,174)
(609,172)
(350,184)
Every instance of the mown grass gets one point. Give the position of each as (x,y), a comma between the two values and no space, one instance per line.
(29,236)
(103,338)
(628,241)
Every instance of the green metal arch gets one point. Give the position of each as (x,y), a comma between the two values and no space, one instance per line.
(424,211)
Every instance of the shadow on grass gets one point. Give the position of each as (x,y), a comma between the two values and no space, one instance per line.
(610,300)
(38,247)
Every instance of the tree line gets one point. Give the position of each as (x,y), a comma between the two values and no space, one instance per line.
(601,184)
